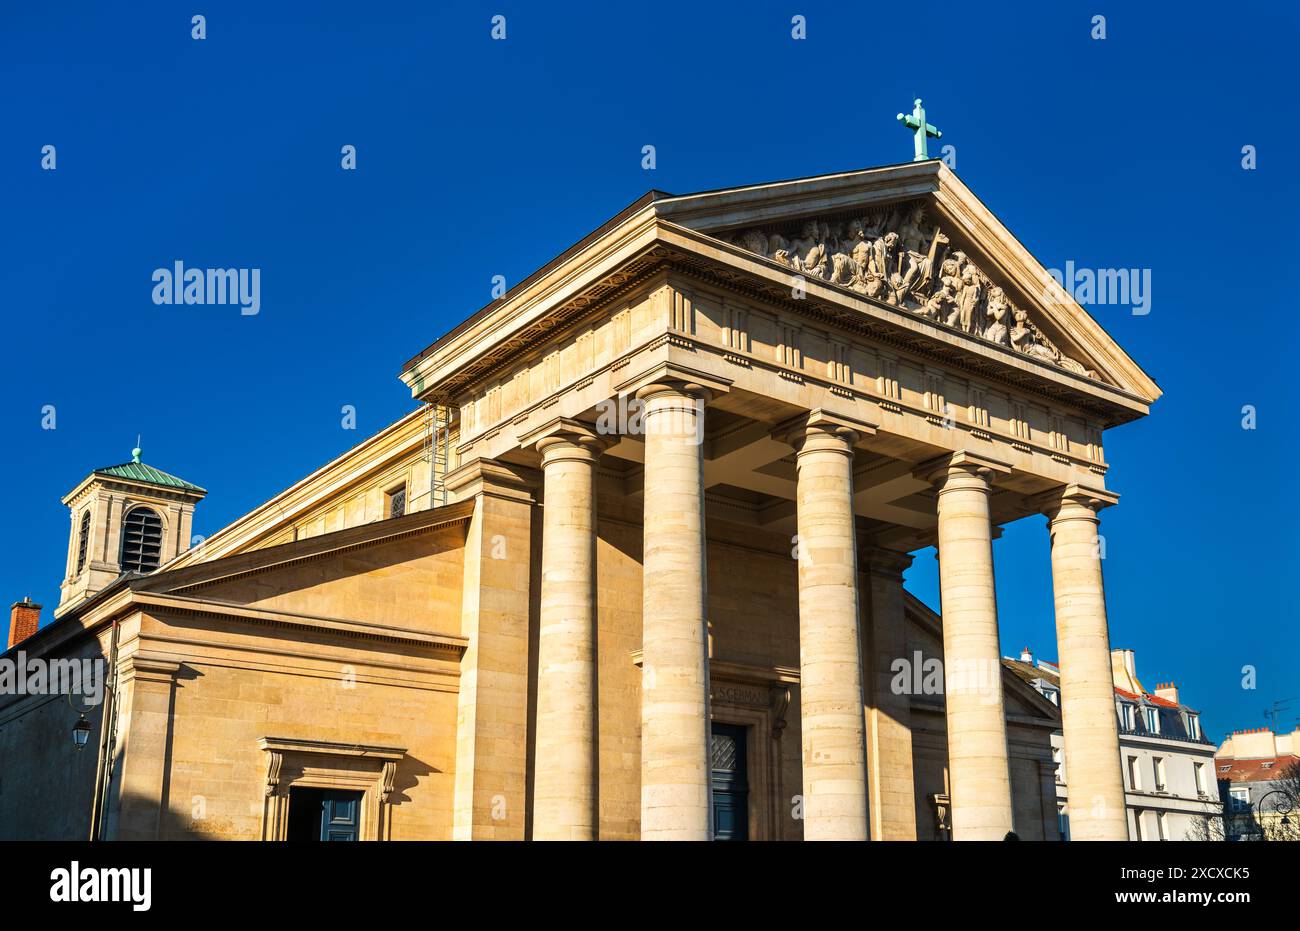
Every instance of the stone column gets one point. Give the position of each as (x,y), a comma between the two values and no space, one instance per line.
(831,707)
(565,785)
(978,768)
(1089,727)
(675,776)
(890,772)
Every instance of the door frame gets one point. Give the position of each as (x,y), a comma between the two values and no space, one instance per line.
(310,764)
(761,762)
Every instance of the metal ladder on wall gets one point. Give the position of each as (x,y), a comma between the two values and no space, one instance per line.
(437,451)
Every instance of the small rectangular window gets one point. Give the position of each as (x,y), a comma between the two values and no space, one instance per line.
(1198,770)
(1158,767)
(397,501)
(1153,720)
(1133,781)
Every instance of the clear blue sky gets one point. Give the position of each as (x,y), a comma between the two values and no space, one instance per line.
(480,157)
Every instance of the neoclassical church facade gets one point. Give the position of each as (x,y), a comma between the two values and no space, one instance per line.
(634,567)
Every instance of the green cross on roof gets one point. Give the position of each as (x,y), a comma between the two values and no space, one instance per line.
(920,128)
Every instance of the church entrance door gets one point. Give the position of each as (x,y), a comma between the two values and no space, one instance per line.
(729,752)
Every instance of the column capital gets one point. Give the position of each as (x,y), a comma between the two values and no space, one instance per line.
(939,470)
(1059,501)
(490,477)
(887,563)
(672,377)
(566,438)
(822,423)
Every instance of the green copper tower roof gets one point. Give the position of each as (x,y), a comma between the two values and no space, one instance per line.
(137,471)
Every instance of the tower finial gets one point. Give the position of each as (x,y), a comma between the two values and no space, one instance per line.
(135,453)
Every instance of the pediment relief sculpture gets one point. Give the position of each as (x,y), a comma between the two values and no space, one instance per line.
(893,255)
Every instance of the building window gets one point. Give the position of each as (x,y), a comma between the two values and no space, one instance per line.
(397,501)
(1138,833)
(83,541)
(1162,824)
(1158,767)
(1198,770)
(1153,720)
(1239,800)
(1062,821)
(1126,716)
(141,540)
(1133,781)
(1194,726)
(1052,695)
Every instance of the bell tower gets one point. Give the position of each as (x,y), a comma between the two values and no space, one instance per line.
(125,518)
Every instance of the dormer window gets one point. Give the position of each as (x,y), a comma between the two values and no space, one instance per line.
(1153,720)
(141,540)
(83,541)
(1194,726)
(1126,716)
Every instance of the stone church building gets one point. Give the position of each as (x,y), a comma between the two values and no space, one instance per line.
(633,569)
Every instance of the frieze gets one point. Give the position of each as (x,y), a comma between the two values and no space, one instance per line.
(894,256)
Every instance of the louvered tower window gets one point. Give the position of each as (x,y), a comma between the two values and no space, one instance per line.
(141,540)
(83,542)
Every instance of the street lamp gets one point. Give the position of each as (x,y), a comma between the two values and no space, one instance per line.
(81,732)
(1283,806)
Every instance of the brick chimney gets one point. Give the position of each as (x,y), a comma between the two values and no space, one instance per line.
(24,618)
(1168,691)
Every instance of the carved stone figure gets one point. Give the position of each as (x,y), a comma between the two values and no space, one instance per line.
(968,301)
(892,257)
(996,308)
(1025,339)
(939,306)
(809,251)
(754,241)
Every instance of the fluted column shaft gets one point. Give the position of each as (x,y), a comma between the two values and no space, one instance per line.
(564,794)
(675,775)
(1091,733)
(979,774)
(830,657)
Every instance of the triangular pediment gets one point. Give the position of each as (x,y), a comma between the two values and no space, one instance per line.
(914,239)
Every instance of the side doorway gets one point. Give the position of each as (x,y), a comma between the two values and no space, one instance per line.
(729,752)
(324,815)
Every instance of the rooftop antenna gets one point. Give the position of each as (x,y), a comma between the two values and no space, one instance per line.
(1272,714)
